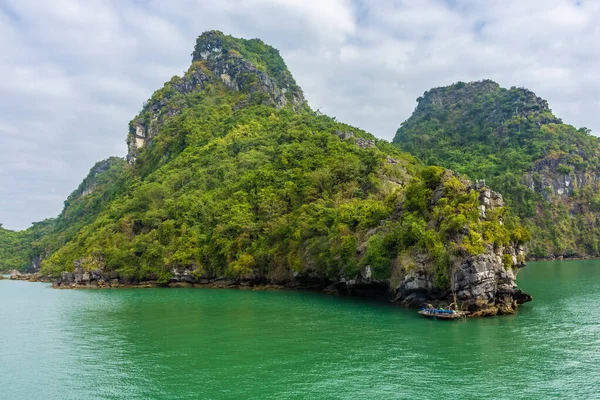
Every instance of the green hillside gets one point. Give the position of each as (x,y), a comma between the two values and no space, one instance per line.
(25,250)
(548,171)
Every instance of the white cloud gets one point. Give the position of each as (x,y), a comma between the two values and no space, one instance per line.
(74,73)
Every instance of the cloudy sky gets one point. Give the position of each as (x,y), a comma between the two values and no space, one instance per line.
(73,73)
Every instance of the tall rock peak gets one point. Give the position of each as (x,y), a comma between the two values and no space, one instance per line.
(497,103)
(247,66)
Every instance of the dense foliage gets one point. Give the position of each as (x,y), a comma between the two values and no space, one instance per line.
(441,220)
(256,189)
(229,185)
(14,252)
(26,249)
(546,169)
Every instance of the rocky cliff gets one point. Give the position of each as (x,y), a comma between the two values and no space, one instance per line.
(247,66)
(558,178)
(97,176)
(484,283)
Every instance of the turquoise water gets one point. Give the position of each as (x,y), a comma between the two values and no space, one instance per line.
(222,344)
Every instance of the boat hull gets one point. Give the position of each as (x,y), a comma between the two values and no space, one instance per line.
(442,315)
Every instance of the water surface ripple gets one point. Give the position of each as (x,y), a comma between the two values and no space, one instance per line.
(222,344)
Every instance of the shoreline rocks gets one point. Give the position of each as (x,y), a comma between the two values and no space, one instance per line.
(25,276)
(491,292)
(483,284)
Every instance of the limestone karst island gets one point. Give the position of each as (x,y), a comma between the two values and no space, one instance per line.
(231,179)
(248,244)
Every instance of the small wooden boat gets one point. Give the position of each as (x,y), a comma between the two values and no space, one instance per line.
(442,313)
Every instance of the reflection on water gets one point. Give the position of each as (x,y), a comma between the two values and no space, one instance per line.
(206,343)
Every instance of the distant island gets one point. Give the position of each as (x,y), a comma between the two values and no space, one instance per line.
(549,172)
(232,180)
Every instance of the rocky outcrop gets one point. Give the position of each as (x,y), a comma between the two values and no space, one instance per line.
(483,284)
(496,112)
(159,108)
(15,275)
(225,59)
(36,263)
(90,183)
(488,199)
(80,279)
(217,58)
(360,142)
(31,277)
(96,278)
(557,177)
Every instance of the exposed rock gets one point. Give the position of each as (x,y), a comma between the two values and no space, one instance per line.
(556,177)
(238,74)
(185,276)
(455,96)
(215,58)
(86,187)
(36,263)
(142,130)
(488,199)
(481,284)
(360,142)
(26,276)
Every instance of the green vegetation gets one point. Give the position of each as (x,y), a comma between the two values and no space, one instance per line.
(444,228)
(510,138)
(256,190)
(230,185)
(26,249)
(13,251)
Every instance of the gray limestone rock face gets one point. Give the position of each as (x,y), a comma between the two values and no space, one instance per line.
(185,275)
(360,142)
(224,60)
(548,178)
(87,186)
(481,284)
(215,60)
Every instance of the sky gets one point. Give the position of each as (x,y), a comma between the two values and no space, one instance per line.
(74,73)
